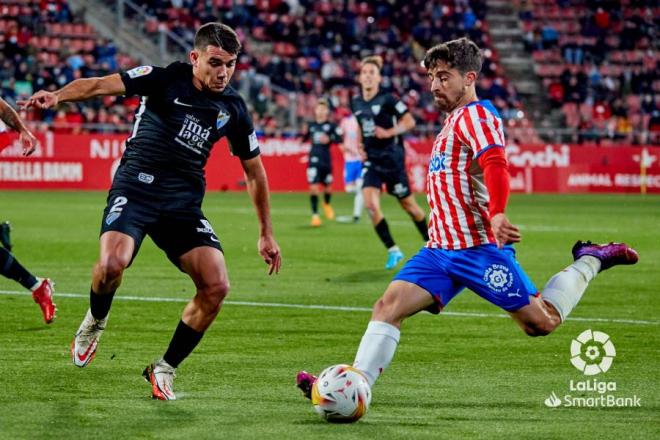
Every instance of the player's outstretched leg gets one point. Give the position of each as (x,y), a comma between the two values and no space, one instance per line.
(42,289)
(565,289)
(206,267)
(115,256)
(379,342)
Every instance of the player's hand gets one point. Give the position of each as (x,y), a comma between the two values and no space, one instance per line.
(42,99)
(270,252)
(28,141)
(505,232)
(324,139)
(383,133)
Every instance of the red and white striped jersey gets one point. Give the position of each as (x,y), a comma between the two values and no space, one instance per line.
(455,187)
(351,132)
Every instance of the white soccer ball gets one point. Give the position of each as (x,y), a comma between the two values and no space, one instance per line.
(341,394)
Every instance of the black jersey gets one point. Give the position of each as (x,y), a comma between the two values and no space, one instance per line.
(177,125)
(383,110)
(320,150)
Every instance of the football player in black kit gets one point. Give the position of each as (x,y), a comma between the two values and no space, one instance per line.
(159,185)
(383,119)
(321,133)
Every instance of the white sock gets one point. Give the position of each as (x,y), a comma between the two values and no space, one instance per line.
(376,349)
(358,201)
(39,280)
(394,248)
(565,289)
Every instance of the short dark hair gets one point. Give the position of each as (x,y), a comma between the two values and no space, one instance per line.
(462,54)
(217,34)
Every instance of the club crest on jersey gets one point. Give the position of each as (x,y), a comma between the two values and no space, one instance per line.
(139,71)
(498,278)
(223,118)
(375,109)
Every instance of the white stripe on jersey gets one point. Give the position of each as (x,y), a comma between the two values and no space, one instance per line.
(481,137)
(138,117)
(468,194)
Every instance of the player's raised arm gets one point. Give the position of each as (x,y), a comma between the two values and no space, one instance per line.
(257,185)
(77,90)
(9,116)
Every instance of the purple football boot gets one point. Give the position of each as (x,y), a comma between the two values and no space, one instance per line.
(305,381)
(611,254)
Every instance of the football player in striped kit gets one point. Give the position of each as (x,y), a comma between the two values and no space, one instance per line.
(470,236)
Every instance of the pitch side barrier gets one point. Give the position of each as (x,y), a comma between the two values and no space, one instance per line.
(88,162)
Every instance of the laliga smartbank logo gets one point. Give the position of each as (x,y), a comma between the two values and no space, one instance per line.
(592,353)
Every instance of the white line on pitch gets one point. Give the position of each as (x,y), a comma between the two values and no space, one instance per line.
(322,307)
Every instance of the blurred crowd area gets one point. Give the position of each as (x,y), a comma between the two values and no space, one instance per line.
(297,51)
(599,63)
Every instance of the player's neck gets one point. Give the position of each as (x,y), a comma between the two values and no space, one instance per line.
(469,97)
(368,94)
(320,121)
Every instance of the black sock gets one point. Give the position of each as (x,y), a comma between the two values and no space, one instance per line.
(327,197)
(314,199)
(100,304)
(12,269)
(183,342)
(423,228)
(383,232)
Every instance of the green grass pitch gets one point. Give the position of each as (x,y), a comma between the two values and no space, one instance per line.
(468,374)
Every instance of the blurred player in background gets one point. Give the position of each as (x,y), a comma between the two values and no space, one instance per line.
(470,235)
(42,288)
(159,186)
(383,119)
(322,133)
(350,146)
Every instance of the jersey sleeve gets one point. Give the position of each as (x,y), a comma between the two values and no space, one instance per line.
(398,106)
(145,80)
(480,129)
(242,138)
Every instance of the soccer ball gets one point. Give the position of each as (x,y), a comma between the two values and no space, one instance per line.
(341,394)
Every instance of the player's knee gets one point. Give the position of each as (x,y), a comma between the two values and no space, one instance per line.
(385,310)
(543,328)
(113,266)
(215,293)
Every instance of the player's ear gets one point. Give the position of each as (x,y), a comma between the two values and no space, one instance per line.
(469,79)
(194,57)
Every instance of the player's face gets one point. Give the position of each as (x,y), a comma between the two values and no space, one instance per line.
(213,67)
(448,86)
(321,113)
(369,76)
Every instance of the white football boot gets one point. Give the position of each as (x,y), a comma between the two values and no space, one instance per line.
(161,376)
(83,347)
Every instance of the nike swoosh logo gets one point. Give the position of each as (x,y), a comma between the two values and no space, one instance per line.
(176,101)
(358,113)
(83,356)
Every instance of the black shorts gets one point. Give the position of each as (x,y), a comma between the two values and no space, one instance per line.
(319,172)
(395,179)
(174,223)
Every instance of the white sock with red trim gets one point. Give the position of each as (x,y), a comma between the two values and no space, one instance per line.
(376,349)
